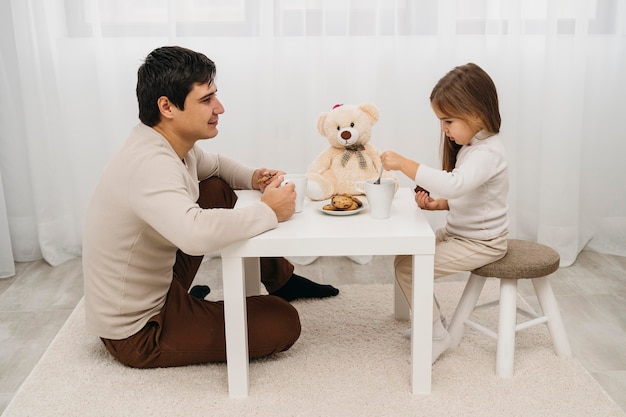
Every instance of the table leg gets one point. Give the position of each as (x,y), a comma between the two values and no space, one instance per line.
(422,324)
(236,326)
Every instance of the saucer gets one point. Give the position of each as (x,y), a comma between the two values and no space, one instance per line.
(342,212)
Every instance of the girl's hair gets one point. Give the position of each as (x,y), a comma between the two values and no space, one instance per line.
(467,93)
(170,71)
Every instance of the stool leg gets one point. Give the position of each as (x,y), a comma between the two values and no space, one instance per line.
(466,305)
(506,328)
(550,309)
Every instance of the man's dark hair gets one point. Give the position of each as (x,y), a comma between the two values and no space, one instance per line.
(170,71)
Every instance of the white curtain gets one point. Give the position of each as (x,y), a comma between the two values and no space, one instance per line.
(68,73)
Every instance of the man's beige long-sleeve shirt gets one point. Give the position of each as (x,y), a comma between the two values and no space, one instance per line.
(142,210)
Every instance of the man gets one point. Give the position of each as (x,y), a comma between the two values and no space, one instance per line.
(161,203)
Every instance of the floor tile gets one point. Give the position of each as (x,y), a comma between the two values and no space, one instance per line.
(24,337)
(614,383)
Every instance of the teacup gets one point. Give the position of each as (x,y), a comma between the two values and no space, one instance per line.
(379,196)
(299,180)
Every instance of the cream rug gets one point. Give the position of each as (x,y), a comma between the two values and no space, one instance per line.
(351,360)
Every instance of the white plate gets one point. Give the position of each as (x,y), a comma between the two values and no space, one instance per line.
(341,212)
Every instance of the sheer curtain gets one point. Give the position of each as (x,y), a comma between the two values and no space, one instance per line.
(67,79)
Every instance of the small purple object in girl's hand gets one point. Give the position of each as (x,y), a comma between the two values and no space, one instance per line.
(418,189)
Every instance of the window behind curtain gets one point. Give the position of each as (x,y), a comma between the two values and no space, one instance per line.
(193,18)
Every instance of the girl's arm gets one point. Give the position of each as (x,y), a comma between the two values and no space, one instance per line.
(396,162)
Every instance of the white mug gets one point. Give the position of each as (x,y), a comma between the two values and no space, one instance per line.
(379,196)
(299,180)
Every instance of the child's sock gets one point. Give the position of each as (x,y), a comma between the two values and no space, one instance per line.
(439,332)
(300,287)
(200,291)
(441,339)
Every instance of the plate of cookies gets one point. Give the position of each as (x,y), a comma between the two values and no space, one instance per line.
(342,205)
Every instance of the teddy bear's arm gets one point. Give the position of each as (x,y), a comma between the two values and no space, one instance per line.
(321,178)
(323,161)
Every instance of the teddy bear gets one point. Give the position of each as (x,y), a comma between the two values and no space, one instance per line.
(350,157)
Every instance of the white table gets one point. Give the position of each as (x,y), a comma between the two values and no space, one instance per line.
(313,233)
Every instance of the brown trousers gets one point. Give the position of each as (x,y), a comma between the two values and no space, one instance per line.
(189,330)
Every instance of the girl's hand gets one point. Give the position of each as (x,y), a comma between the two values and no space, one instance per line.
(426,202)
(392,161)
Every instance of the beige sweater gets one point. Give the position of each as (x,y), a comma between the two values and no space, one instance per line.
(143,209)
(476,189)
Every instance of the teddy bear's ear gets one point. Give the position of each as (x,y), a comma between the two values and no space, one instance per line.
(371,110)
(320,123)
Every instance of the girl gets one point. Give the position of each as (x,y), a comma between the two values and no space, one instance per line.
(472,185)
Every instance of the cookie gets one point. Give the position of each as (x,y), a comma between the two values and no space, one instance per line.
(342,202)
(418,189)
(265,178)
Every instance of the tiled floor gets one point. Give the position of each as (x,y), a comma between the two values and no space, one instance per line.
(35,303)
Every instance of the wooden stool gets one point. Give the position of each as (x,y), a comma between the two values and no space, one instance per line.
(524,260)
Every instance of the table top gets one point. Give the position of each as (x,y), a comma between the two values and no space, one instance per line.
(313,232)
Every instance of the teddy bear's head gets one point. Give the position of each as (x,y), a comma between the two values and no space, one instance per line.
(347,124)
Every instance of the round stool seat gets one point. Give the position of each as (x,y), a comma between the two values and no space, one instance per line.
(524,259)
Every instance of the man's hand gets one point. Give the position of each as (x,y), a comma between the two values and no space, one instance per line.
(281,199)
(262,177)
